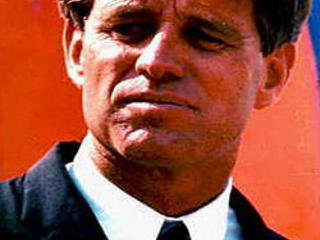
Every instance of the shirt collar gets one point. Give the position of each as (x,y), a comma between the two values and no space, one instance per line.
(123,217)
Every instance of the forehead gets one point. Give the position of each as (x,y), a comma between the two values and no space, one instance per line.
(235,11)
(195,3)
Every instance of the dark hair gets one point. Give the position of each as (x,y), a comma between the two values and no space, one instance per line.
(278,21)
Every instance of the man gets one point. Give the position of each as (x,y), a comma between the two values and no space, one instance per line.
(168,87)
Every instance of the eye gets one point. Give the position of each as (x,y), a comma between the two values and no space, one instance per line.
(131,33)
(203,40)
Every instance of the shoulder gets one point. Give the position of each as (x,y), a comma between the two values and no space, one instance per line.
(252,224)
(11,199)
(25,201)
(11,205)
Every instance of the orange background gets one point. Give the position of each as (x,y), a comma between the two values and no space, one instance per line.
(279,165)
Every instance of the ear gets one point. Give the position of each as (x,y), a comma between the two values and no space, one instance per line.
(72,44)
(277,68)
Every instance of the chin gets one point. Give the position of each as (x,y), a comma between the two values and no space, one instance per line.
(155,147)
(170,147)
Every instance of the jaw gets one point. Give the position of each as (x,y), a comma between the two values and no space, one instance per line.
(170,189)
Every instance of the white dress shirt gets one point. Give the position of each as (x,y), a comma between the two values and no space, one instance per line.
(123,217)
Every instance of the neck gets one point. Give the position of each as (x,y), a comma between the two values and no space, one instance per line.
(170,191)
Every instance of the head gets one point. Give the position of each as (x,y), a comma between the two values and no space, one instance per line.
(278,21)
(173,82)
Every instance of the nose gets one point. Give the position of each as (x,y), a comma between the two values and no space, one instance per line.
(161,58)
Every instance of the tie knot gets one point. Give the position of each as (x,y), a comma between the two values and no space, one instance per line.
(173,230)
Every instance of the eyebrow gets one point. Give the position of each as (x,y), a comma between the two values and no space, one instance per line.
(218,26)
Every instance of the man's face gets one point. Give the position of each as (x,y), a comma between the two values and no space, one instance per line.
(170,81)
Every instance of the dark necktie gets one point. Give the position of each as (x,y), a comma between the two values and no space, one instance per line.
(173,230)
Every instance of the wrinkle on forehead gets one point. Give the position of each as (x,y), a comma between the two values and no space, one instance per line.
(109,6)
(208,3)
(205,4)
(230,6)
(115,3)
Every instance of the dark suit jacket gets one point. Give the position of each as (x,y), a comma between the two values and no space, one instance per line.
(44,204)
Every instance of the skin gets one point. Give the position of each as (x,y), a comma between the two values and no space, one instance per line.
(168,87)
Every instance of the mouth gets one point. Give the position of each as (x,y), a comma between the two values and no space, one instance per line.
(156,99)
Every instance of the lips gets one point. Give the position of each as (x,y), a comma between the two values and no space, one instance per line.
(154,98)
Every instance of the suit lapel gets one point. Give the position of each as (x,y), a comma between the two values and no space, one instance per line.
(252,225)
(52,203)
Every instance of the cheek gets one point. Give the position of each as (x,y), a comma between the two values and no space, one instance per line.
(228,90)
(232,83)
(229,87)
(105,64)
